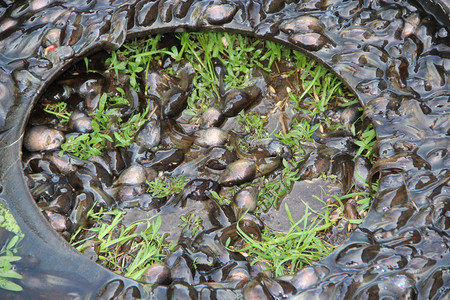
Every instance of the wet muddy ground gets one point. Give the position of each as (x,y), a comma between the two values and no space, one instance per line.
(145,143)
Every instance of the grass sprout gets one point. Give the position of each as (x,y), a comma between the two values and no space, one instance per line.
(367,142)
(286,252)
(106,126)
(192,223)
(59,110)
(222,200)
(254,124)
(272,192)
(121,248)
(163,187)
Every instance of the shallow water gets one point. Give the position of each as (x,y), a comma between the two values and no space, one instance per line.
(301,197)
(67,183)
(393,55)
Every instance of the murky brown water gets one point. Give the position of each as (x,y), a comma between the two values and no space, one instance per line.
(223,155)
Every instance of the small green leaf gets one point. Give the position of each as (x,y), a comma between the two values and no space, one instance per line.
(355,221)
(120,90)
(9,285)
(13,242)
(10,274)
(9,258)
(157,223)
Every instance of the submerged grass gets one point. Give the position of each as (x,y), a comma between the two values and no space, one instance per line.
(240,55)
(164,187)
(59,110)
(120,248)
(90,144)
(286,252)
(272,192)
(124,250)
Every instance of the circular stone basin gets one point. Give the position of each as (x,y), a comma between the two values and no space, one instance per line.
(392,55)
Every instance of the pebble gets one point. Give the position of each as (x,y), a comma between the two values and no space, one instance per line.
(41,138)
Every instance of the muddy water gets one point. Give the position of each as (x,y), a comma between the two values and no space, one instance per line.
(301,197)
(68,183)
(393,55)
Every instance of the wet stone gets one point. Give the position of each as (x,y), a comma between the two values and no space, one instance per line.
(212,117)
(126,193)
(80,122)
(309,41)
(277,289)
(157,273)
(40,138)
(238,172)
(62,200)
(220,14)
(268,29)
(82,204)
(181,271)
(211,137)
(361,171)
(52,38)
(237,100)
(174,101)
(305,278)
(303,25)
(57,221)
(239,274)
(254,290)
(246,199)
(350,115)
(132,176)
(219,158)
(149,135)
(59,54)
